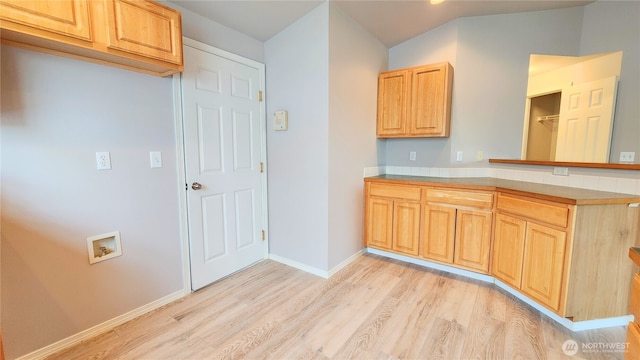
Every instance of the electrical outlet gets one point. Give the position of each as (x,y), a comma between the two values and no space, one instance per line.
(564,171)
(459,156)
(627,156)
(412,156)
(103,160)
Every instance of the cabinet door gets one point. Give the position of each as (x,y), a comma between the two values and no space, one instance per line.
(431,100)
(145,28)
(63,17)
(508,249)
(543,264)
(379,223)
(473,240)
(633,341)
(439,224)
(406,227)
(393,97)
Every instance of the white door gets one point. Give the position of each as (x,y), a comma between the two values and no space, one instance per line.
(224,140)
(586,121)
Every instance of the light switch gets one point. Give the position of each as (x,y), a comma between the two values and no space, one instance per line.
(155,159)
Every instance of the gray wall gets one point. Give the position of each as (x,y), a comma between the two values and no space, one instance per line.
(355,59)
(490,55)
(323,69)
(56,114)
(297,65)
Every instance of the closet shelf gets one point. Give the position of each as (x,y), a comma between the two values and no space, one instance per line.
(548,118)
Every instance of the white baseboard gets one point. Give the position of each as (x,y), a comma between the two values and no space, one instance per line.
(571,325)
(300,266)
(102,328)
(432,265)
(348,261)
(315,271)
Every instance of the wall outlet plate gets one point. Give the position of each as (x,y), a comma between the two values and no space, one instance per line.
(627,156)
(103,160)
(564,171)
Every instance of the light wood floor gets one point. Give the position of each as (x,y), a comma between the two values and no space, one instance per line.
(376,308)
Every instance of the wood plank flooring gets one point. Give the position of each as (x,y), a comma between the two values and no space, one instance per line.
(375,308)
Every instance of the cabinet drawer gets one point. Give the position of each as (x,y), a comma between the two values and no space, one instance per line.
(551,214)
(457,197)
(395,191)
(634,302)
(633,342)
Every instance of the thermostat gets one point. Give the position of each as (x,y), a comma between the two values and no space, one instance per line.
(280,120)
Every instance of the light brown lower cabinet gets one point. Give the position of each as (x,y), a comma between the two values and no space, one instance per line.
(508,249)
(435,224)
(530,257)
(458,237)
(457,228)
(406,227)
(568,257)
(439,233)
(393,218)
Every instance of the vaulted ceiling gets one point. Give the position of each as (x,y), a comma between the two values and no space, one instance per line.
(392,22)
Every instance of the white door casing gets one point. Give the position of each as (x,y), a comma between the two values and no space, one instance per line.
(225,149)
(586,121)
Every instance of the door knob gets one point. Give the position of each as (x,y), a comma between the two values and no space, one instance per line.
(196,186)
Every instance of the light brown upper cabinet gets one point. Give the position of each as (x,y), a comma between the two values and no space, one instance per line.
(415,102)
(138,35)
(68,19)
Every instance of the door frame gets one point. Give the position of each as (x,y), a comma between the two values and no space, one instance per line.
(183,212)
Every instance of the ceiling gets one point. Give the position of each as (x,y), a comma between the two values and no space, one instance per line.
(392,22)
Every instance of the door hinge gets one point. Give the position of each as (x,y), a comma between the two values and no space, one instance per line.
(260,95)
(262,235)
(261,167)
